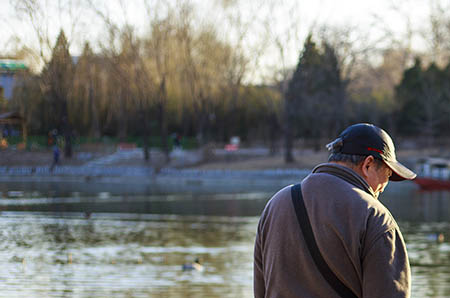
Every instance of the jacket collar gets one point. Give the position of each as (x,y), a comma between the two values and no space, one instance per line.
(346,174)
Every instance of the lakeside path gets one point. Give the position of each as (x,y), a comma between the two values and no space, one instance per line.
(252,167)
(130,163)
(126,172)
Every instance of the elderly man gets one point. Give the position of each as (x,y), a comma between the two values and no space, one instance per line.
(329,236)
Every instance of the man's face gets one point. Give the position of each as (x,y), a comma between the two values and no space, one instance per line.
(378,177)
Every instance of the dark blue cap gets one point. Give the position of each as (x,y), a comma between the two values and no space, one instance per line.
(367,139)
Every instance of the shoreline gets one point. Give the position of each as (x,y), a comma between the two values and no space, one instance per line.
(146,181)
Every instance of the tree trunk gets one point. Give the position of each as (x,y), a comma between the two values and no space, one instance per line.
(95,127)
(185,121)
(162,119)
(164,131)
(273,133)
(123,117)
(67,131)
(147,156)
(288,133)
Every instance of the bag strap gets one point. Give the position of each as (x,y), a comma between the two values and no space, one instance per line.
(308,235)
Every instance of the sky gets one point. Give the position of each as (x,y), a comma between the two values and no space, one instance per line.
(357,13)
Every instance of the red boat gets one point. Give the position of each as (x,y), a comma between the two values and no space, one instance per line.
(432,184)
(433,174)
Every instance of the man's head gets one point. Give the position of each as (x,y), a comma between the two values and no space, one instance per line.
(369,150)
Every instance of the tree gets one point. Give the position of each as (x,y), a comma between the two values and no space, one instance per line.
(300,86)
(423,96)
(40,17)
(85,97)
(29,101)
(315,100)
(437,34)
(57,80)
(333,105)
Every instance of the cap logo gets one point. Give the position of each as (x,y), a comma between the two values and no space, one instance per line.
(373,149)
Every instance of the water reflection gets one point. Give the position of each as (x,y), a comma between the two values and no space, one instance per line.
(430,258)
(141,255)
(111,255)
(417,206)
(84,245)
(180,204)
(405,204)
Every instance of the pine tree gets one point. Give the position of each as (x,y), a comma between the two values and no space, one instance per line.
(57,79)
(409,94)
(300,86)
(315,99)
(424,99)
(335,93)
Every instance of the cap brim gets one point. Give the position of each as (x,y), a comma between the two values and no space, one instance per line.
(399,171)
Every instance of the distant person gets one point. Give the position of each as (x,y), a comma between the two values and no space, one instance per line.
(51,137)
(329,236)
(3,143)
(55,157)
(176,141)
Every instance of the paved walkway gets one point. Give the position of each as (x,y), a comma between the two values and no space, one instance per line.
(119,155)
(178,158)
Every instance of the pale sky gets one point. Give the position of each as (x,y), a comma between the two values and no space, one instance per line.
(357,13)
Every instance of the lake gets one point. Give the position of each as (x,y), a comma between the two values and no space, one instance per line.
(60,242)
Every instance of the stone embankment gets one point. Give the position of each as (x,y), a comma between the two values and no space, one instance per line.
(126,166)
(125,172)
(142,171)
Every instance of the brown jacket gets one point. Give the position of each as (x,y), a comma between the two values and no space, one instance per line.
(356,235)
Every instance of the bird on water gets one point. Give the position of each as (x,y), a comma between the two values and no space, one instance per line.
(195,266)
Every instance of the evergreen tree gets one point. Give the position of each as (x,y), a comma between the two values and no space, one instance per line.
(432,102)
(424,101)
(446,99)
(57,79)
(334,89)
(409,94)
(315,99)
(300,86)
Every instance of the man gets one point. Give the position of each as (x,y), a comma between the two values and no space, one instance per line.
(356,238)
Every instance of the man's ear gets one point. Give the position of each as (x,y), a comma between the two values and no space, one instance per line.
(366,164)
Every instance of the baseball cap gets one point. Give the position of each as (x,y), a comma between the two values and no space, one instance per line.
(368,139)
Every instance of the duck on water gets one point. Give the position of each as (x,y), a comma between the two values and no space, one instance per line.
(195,266)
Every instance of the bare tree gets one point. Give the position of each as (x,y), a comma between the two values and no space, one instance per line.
(43,17)
(282,42)
(437,35)
(85,97)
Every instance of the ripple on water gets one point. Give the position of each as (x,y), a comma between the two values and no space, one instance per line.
(51,255)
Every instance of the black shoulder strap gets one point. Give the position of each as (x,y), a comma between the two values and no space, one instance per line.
(305,226)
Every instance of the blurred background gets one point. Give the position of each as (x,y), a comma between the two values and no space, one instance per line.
(137,136)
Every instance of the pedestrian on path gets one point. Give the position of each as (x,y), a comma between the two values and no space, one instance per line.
(55,157)
(329,236)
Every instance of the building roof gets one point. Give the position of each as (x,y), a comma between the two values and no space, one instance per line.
(12,65)
(10,118)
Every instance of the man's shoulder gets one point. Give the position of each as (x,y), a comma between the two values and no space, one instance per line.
(323,184)
(280,197)
(280,200)
(349,198)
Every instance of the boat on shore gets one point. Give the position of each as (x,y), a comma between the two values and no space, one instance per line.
(433,174)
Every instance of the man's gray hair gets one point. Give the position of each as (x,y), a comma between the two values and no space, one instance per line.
(348,158)
(352,159)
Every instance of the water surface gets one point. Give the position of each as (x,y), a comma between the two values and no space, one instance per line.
(114,245)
